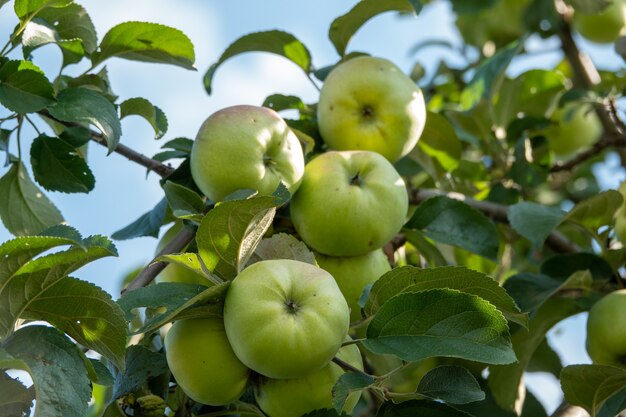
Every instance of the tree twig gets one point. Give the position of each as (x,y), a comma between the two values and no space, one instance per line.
(497,212)
(139,158)
(147,275)
(566,410)
(346,366)
(616,141)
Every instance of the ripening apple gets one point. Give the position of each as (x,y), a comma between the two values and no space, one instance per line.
(174,272)
(368,103)
(606,330)
(603,27)
(575,127)
(203,362)
(354,273)
(296,397)
(245,147)
(285,318)
(349,203)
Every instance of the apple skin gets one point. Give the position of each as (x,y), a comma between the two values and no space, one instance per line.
(606,330)
(576,127)
(203,362)
(353,274)
(245,147)
(173,272)
(603,27)
(368,103)
(299,396)
(285,318)
(349,203)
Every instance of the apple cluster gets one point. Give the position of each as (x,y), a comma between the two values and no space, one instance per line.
(284,320)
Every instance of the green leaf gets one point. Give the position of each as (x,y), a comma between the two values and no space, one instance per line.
(488,74)
(58,167)
(545,359)
(504,380)
(15,399)
(348,383)
(146,42)
(179,144)
(141,107)
(562,266)
(534,221)
(411,279)
(471,7)
(450,384)
(453,222)
(58,370)
(280,102)
(531,290)
(142,364)
(229,234)
(26,8)
(440,142)
(183,201)
(273,41)
(179,301)
(24,88)
(148,224)
(82,105)
(26,210)
(430,252)
(31,283)
(92,318)
(282,246)
(419,408)
(102,373)
(345,26)
(596,211)
(440,322)
(72,22)
(599,389)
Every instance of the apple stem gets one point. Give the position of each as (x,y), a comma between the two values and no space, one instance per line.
(292,306)
(347,367)
(356,180)
(367,112)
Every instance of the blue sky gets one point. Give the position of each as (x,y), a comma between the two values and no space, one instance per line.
(122,190)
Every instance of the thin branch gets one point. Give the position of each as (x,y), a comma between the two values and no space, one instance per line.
(139,158)
(566,410)
(607,141)
(497,212)
(176,245)
(346,366)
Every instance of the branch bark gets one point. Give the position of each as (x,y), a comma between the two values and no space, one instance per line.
(497,212)
(147,275)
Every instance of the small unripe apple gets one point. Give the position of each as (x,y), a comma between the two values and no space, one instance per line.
(606,330)
(368,103)
(174,272)
(203,362)
(603,27)
(296,397)
(285,318)
(354,273)
(576,127)
(349,203)
(245,147)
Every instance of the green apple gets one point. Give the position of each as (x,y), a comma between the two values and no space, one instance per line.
(349,203)
(603,27)
(203,363)
(245,147)
(575,127)
(606,330)
(368,103)
(285,318)
(354,273)
(173,272)
(299,396)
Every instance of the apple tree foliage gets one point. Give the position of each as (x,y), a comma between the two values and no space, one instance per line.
(503,241)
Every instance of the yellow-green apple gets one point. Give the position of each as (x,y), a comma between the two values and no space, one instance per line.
(606,330)
(245,147)
(575,127)
(354,273)
(349,203)
(285,318)
(299,396)
(174,272)
(605,26)
(368,103)
(203,363)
